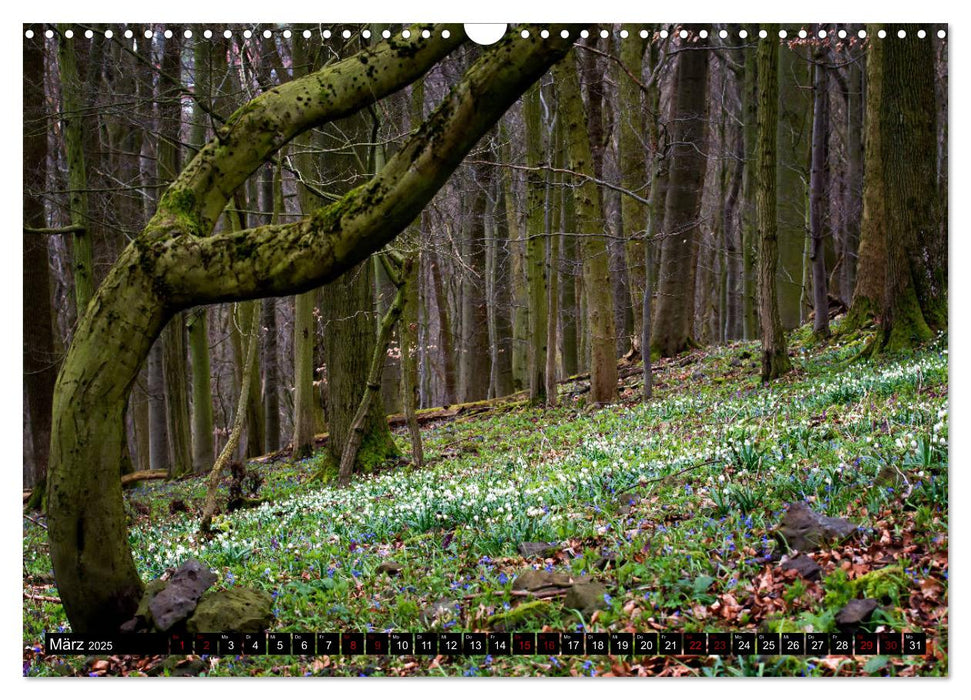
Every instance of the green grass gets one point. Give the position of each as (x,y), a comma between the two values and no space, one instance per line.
(706,469)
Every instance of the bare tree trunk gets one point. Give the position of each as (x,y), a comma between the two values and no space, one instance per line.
(536,272)
(273,199)
(39,358)
(673,316)
(239,422)
(915,301)
(633,172)
(72,125)
(409,360)
(358,426)
(775,358)
(818,185)
(596,271)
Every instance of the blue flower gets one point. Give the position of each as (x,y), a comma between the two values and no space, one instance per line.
(503,579)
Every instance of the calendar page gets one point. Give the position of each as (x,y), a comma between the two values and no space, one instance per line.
(530,350)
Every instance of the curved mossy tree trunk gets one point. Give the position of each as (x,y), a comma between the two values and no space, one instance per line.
(177,262)
(775,359)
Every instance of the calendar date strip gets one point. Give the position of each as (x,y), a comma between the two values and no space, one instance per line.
(493,643)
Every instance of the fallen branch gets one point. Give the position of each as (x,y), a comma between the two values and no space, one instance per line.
(146,475)
(645,482)
(35,522)
(74,228)
(44,598)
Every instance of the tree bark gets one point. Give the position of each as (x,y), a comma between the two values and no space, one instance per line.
(819,186)
(596,272)
(536,272)
(176,263)
(915,300)
(775,358)
(633,173)
(273,201)
(794,146)
(239,422)
(39,358)
(358,429)
(72,126)
(679,250)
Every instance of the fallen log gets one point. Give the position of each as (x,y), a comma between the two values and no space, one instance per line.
(147,475)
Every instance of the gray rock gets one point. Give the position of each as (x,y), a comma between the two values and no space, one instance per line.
(586,597)
(804,566)
(538,549)
(805,530)
(179,598)
(235,610)
(142,621)
(856,611)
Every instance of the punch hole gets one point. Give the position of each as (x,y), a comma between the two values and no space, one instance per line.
(109,33)
(487,34)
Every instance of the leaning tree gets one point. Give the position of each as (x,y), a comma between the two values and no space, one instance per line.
(177,262)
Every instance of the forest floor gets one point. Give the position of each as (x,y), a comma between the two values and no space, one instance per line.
(672,505)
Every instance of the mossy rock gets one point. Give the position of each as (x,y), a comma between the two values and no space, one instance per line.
(586,597)
(236,610)
(526,616)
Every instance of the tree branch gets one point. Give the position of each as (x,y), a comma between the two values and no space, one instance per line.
(292,258)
